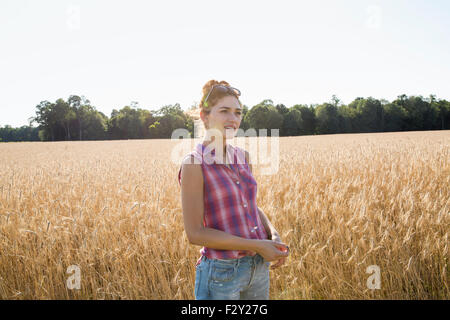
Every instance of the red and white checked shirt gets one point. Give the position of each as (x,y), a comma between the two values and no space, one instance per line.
(229,199)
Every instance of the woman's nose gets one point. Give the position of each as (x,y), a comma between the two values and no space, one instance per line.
(235,117)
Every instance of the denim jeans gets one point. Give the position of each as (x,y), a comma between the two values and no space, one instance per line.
(246,278)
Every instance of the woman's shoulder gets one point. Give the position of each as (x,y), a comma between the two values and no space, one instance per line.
(190,159)
(193,157)
(191,164)
(190,168)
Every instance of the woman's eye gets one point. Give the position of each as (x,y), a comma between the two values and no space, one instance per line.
(238,113)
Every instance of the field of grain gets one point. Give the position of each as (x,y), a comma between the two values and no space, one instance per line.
(113,209)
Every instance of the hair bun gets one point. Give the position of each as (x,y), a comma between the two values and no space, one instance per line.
(212,83)
(215,96)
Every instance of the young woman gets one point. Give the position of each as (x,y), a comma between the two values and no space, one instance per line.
(218,193)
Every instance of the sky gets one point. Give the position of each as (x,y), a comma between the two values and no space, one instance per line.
(159,53)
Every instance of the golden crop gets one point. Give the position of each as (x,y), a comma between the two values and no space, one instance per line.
(113,208)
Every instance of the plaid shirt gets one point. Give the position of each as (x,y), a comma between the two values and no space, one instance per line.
(229,199)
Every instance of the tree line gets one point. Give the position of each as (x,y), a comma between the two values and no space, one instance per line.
(77,119)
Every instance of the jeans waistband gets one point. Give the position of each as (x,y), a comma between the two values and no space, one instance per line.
(255,258)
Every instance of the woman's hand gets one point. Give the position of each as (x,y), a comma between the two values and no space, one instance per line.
(272,250)
(282,260)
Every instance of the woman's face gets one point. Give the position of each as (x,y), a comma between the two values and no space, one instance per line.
(225,116)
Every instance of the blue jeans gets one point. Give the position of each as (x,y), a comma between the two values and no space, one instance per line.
(245,278)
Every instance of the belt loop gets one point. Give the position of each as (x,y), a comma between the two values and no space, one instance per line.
(257,258)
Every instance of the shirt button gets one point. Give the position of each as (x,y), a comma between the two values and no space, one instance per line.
(245,205)
(237,182)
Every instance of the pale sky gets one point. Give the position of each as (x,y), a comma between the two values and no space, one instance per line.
(163,52)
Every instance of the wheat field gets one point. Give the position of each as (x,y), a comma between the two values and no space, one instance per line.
(113,208)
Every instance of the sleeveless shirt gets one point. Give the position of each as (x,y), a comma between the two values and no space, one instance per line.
(229,197)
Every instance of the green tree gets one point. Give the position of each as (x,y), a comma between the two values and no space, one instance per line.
(327,119)
(308,123)
(443,108)
(64,116)
(166,125)
(23,133)
(284,111)
(244,123)
(47,120)
(369,113)
(170,118)
(335,101)
(81,107)
(293,123)
(395,117)
(155,130)
(347,119)
(264,116)
(129,123)
(95,124)
(415,109)
(6,134)
(170,109)
(146,118)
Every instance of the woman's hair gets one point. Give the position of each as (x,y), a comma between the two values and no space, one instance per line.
(213,98)
(215,95)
